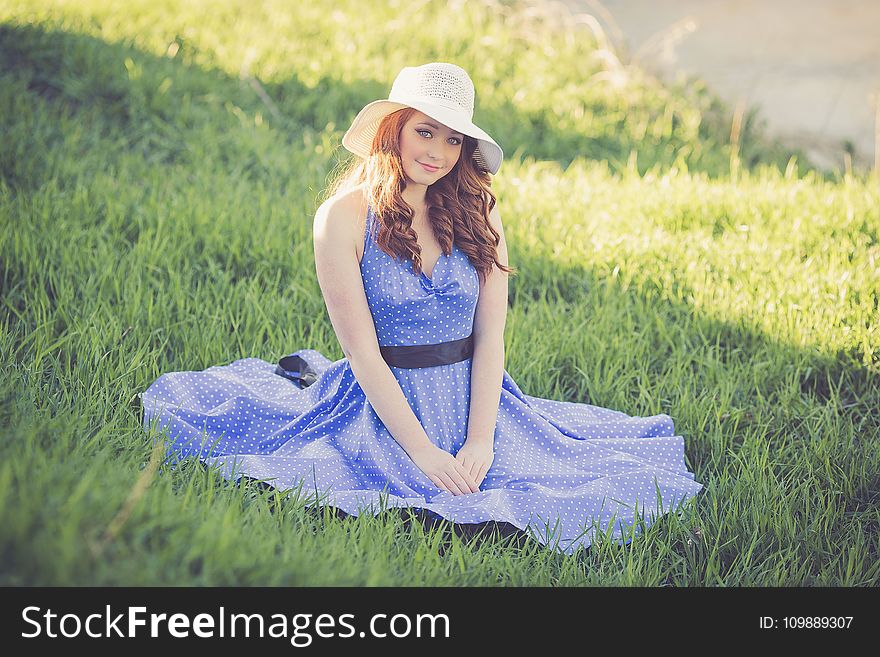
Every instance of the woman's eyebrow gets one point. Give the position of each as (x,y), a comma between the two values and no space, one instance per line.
(437,127)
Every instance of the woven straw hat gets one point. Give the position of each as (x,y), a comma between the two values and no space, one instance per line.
(441,90)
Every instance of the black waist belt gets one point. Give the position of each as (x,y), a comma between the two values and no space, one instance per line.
(298,370)
(429,355)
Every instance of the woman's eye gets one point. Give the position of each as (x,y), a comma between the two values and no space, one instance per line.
(457,140)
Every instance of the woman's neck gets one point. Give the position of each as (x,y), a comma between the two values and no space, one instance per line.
(414,195)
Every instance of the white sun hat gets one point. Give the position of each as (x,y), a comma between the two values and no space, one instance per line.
(441,90)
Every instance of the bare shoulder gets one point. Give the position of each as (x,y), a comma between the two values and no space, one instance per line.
(495,222)
(341,219)
(495,219)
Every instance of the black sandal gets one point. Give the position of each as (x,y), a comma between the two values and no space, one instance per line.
(296,369)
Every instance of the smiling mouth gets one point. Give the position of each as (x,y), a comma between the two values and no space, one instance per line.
(428,166)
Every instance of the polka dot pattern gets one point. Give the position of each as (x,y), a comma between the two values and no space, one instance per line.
(562,470)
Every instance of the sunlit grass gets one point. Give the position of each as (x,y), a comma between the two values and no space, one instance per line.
(150,226)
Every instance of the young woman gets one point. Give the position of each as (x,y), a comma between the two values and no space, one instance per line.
(412,263)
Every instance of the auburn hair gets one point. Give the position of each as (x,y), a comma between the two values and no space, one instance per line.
(458,204)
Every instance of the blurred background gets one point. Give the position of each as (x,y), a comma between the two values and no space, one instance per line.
(811,68)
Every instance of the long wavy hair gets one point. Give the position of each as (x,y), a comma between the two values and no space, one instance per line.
(458,204)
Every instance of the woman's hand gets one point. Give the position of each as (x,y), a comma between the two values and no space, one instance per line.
(476,455)
(444,470)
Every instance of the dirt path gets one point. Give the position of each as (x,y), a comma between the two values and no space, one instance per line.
(812,67)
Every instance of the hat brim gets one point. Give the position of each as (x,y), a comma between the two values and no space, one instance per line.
(359,137)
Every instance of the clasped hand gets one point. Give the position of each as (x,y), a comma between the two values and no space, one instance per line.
(460,474)
(477,456)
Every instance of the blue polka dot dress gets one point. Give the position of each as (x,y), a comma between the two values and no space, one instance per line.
(562,470)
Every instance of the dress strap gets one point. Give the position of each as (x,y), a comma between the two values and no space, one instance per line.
(369,223)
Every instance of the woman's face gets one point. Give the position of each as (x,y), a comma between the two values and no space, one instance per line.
(425,141)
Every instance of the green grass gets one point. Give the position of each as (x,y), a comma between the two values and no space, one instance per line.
(156,216)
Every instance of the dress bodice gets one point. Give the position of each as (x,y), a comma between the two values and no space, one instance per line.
(410,308)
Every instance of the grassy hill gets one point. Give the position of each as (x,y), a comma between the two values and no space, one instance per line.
(158,174)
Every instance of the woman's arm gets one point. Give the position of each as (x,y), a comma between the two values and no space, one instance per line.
(487,364)
(343,290)
(342,287)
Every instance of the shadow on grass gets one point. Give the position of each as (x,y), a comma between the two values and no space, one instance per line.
(501,534)
(78,73)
